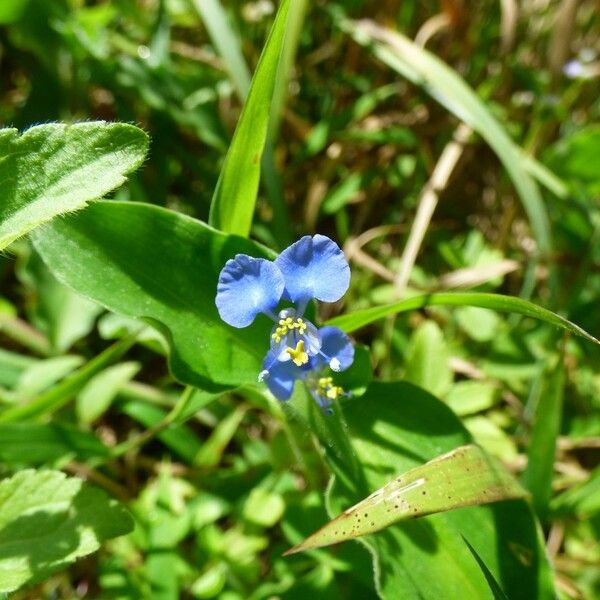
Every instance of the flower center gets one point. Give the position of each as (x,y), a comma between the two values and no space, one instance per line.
(298,354)
(286,326)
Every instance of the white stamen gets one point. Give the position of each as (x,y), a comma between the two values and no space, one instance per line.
(263,375)
(335,365)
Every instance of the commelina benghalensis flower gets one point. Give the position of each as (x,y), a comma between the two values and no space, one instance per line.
(312,268)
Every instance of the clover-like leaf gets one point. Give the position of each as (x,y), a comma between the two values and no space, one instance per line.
(48,520)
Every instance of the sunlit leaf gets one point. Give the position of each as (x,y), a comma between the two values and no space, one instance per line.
(53,169)
(154,264)
(48,520)
(234,199)
(506,304)
(463,477)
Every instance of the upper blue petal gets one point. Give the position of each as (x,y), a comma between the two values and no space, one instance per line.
(248,286)
(281,376)
(314,267)
(335,344)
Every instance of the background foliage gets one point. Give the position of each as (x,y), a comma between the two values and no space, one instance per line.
(474,147)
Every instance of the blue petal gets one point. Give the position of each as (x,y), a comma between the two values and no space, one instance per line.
(280,376)
(336,347)
(248,286)
(314,267)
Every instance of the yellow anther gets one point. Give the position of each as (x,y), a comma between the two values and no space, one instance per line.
(298,354)
(282,321)
(334,391)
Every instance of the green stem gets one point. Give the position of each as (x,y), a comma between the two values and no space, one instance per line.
(25,335)
(170,419)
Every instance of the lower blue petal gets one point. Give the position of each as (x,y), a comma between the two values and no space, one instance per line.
(335,344)
(248,286)
(280,376)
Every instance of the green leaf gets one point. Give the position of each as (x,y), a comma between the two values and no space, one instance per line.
(494,585)
(233,202)
(582,500)
(470,397)
(98,393)
(12,10)
(48,520)
(465,476)
(427,359)
(44,373)
(395,427)
(541,452)
(60,313)
(447,87)
(59,395)
(36,443)
(508,304)
(154,264)
(180,439)
(226,42)
(53,169)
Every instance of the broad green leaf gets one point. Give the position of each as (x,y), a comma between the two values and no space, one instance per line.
(445,85)
(395,427)
(48,520)
(233,202)
(427,359)
(154,264)
(53,169)
(541,452)
(465,476)
(506,304)
(98,393)
(36,444)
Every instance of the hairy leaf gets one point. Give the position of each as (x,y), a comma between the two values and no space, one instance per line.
(53,169)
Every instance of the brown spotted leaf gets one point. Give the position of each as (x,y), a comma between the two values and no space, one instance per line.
(464,477)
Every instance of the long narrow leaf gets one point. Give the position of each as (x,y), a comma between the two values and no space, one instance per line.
(234,199)
(509,304)
(226,42)
(541,453)
(464,477)
(439,80)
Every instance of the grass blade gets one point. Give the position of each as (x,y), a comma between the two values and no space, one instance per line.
(464,477)
(427,71)
(226,42)
(489,576)
(234,199)
(541,453)
(508,304)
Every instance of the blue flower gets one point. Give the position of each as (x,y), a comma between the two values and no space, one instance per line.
(312,268)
